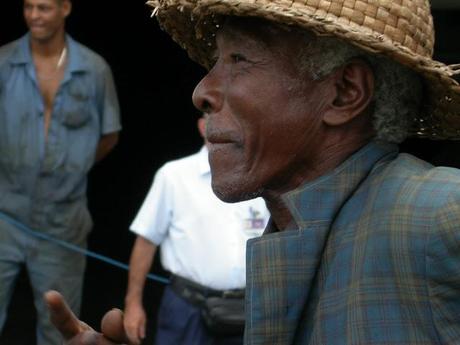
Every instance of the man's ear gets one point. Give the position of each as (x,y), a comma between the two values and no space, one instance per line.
(354,87)
(66,7)
(202,126)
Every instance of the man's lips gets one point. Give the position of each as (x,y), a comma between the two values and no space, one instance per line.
(36,27)
(216,136)
(217,141)
(219,147)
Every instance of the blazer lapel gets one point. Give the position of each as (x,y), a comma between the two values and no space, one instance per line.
(280,282)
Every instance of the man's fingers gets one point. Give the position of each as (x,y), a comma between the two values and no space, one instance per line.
(135,330)
(112,326)
(132,335)
(62,317)
(90,338)
(142,331)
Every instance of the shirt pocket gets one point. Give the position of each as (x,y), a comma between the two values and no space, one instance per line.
(76,110)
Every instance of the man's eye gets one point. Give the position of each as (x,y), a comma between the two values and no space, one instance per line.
(237,58)
(213,61)
(44,8)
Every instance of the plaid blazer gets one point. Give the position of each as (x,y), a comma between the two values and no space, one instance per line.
(374,258)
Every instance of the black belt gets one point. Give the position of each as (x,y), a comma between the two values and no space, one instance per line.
(197,294)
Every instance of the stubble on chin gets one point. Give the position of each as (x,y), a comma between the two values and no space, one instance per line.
(232,192)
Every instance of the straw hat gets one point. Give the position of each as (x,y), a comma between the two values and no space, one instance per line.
(400,29)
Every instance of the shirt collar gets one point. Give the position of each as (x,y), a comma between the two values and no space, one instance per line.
(203,161)
(22,54)
(318,202)
(77,62)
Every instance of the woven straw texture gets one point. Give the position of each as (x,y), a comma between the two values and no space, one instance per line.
(400,29)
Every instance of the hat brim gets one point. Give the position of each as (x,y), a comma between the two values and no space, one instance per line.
(193,24)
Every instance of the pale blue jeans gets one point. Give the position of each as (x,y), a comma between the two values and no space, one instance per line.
(48,266)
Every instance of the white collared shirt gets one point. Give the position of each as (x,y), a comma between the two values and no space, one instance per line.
(202,238)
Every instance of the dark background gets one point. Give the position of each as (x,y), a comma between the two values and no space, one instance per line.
(155,80)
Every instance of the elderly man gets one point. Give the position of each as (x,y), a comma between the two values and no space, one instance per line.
(307,101)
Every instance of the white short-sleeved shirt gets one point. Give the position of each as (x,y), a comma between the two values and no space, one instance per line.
(202,238)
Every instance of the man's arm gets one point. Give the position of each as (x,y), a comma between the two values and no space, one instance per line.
(141,260)
(106,144)
(443,267)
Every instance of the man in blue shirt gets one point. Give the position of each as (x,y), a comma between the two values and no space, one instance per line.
(59,114)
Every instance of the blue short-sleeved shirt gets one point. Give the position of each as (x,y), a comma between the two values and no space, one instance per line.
(43,182)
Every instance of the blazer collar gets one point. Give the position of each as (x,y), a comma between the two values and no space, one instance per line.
(318,202)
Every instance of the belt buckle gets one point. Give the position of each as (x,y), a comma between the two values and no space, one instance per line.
(192,295)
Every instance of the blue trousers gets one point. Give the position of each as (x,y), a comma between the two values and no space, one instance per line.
(180,323)
(48,266)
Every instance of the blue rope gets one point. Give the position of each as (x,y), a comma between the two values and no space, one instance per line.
(75,248)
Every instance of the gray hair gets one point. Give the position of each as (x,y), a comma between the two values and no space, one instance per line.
(398,90)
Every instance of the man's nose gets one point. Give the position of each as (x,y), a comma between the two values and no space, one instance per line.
(207,96)
(34,13)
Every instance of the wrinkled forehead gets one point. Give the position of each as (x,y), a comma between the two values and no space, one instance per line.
(258,31)
(248,26)
(244,32)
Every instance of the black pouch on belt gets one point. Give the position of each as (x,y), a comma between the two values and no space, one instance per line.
(224,315)
(222,310)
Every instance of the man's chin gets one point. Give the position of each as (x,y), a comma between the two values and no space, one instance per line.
(233,192)
(39,37)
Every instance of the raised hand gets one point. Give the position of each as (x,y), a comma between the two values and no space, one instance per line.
(76,332)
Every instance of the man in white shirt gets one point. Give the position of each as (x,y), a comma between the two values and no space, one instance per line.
(203,242)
